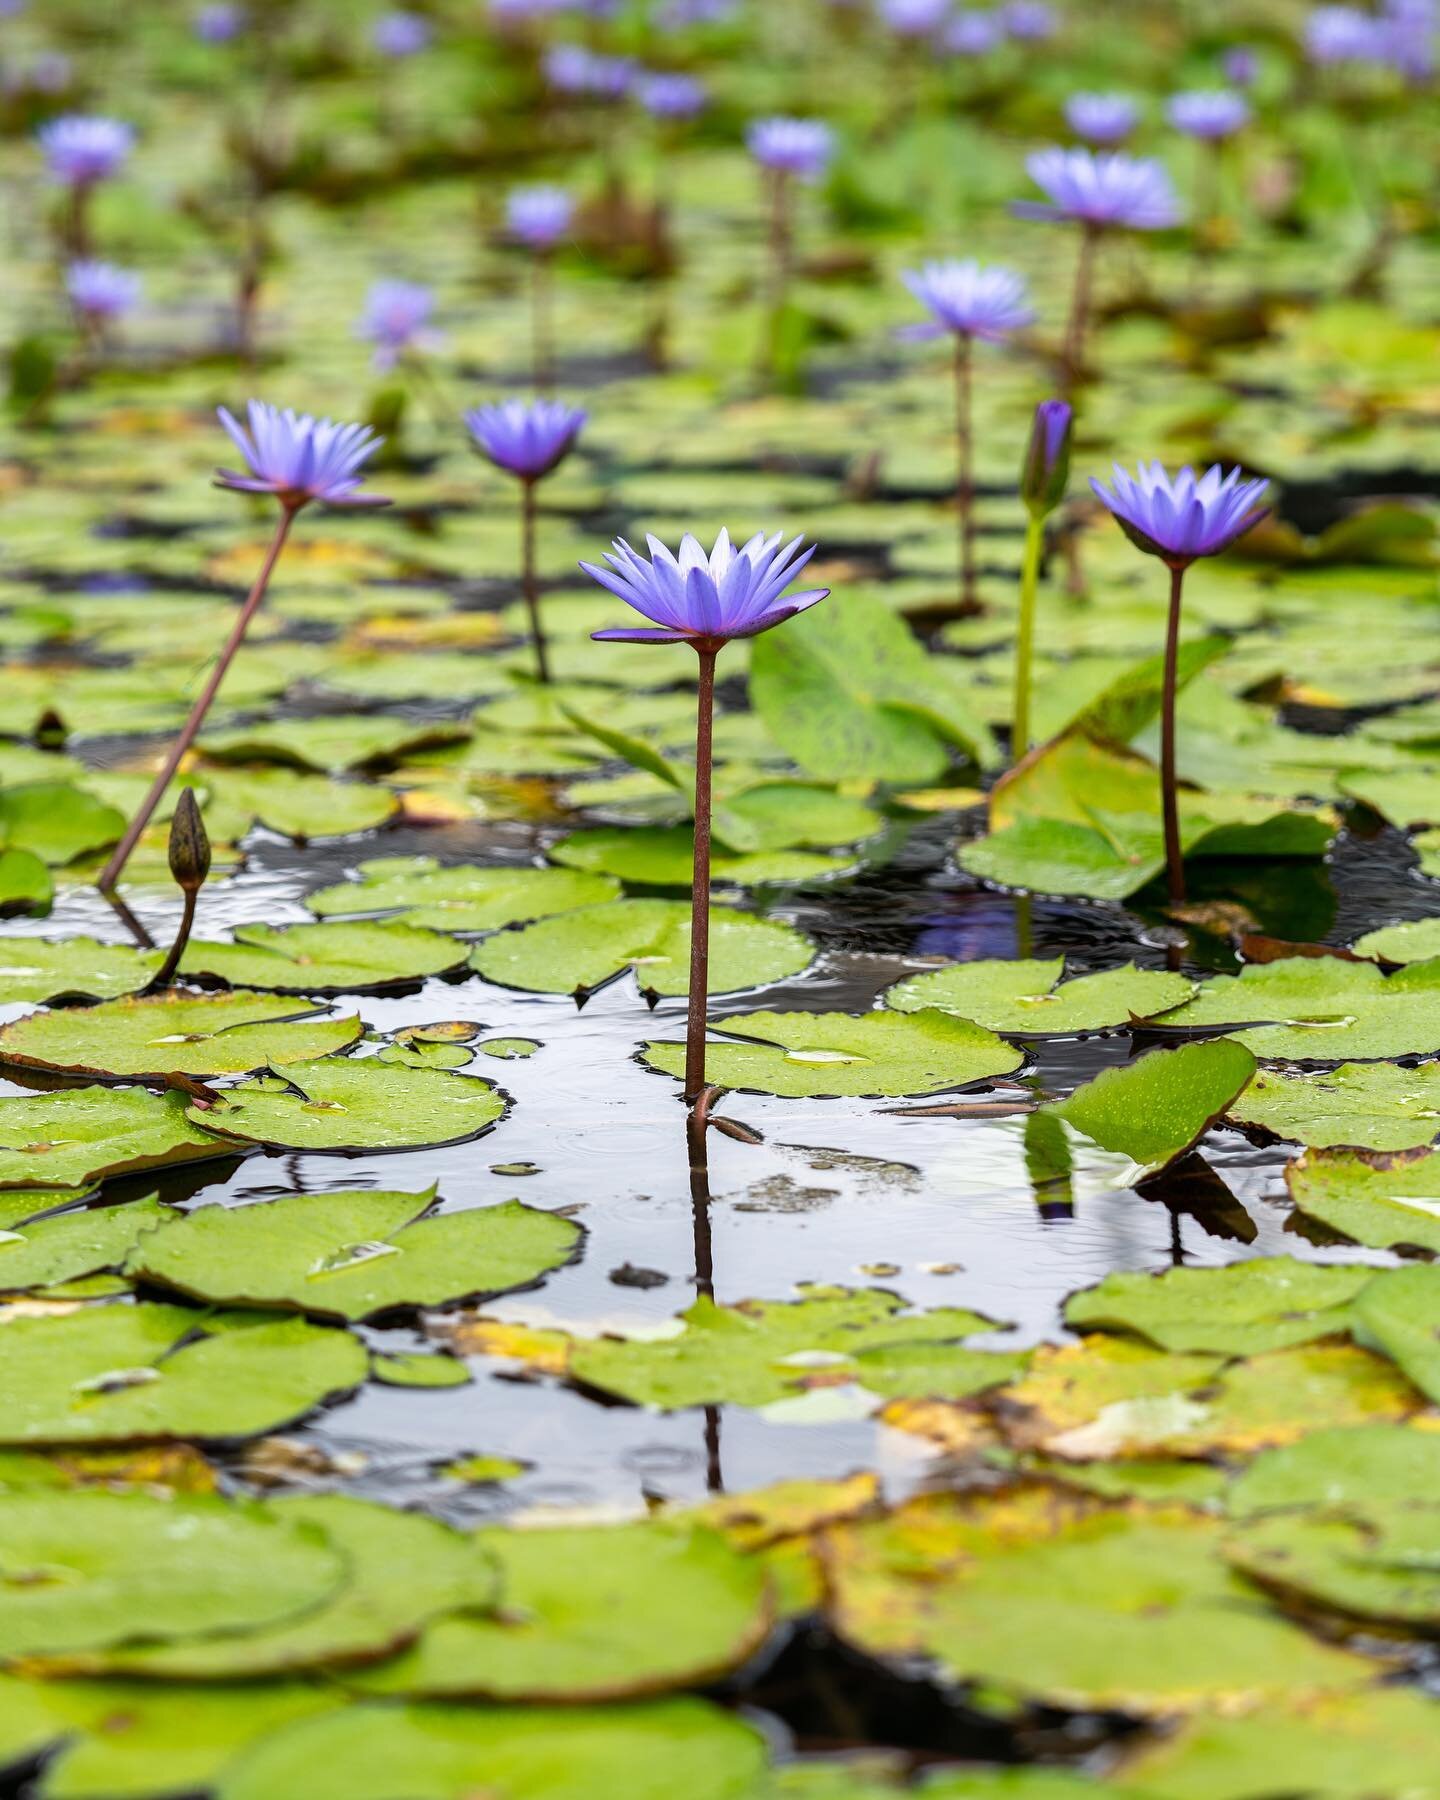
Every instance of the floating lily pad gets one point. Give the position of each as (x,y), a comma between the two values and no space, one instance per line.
(78,1136)
(598,1613)
(1416,940)
(1398,1314)
(113,1373)
(1023,999)
(1350,1467)
(56,821)
(26,885)
(349,1255)
(71,1244)
(1380,1201)
(302,806)
(331,742)
(417,1370)
(1157,1108)
(441,1752)
(422,893)
(1371,1106)
(347,1104)
(165,1034)
(87,1571)
(324,959)
(1239,1310)
(401,1569)
(1377,1563)
(805,1054)
(1322,1009)
(44,968)
(1069,1601)
(582,950)
(663,856)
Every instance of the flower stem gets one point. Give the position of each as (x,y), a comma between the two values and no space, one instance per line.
(528,581)
(782,240)
(1174,859)
(111,873)
(166,972)
(1025,637)
(1076,331)
(965,478)
(700,886)
(541,329)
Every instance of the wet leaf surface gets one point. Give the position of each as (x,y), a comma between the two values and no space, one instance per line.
(1029,999)
(1155,1109)
(418,891)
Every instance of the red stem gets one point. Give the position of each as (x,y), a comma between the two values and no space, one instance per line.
(527,575)
(1075,333)
(965,491)
(700,889)
(1174,858)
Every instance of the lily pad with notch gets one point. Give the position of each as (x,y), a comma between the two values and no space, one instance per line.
(1030,998)
(423,893)
(325,959)
(804,1055)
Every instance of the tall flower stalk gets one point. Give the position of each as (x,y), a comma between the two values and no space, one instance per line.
(1179,518)
(1043,479)
(706,602)
(296,459)
(787,151)
(538,219)
(80,152)
(967,301)
(528,442)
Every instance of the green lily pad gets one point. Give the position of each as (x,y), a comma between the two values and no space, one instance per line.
(1329,1747)
(795,815)
(87,1571)
(1238,1310)
(110,1374)
(1322,1009)
(1377,1563)
(56,821)
(1370,1106)
(402,1569)
(1415,940)
(662,856)
(26,885)
(165,1034)
(77,1136)
(580,951)
(302,806)
(1070,1601)
(350,1255)
(347,1104)
(36,969)
(1160,1106)
(1398,1314)
(422,893)
(1023,999)
(1351,1467)
(801,1055)
(332,742)
(1406,797)
(68,1245)
(324,959)
(1384,1202)
(448,1752)
(597,1613)
(414,1369)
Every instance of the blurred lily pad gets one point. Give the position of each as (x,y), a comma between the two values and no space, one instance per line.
(422,893)
(26,885)
(1414,940)
(1376,1561)
(1398,1314)
(1029,999)
(662,856)
(45,968)
(302,806)
(56,821)
(345,1103)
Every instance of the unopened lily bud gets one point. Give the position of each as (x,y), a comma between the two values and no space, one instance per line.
(1046,471)
(189,844)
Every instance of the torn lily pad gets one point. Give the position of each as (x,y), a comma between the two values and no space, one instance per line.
(421,892)
(1158,1107)
(38,969)
(582,950)
(1384,1202)
(176,1034)
(1369,1106)
(110,1374)
(351,1255)
(324,959)
(86,1571)
(402,1569)
(1030,999)
(593,1613)
(75,1137)
(348,1103)
(663,856)
(1240,1309)
(801,1055)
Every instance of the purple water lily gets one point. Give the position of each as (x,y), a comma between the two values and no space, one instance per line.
(1102,118)
(526,439)
(395,317)
(538,216)
(100,291)
(913,19)
(972,33)
(1029,21)
(672,96)
(1211,114)
(1240,66)
(798,147)
(400,34)
(79,150)
(787,150)
(219,23)
(1179,518)
(704,601)
(677,15)
(299,459)
(1342,34)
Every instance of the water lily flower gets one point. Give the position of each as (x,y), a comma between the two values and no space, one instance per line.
(1029,21)
(395,316)
(1179,518)
(1240,65)
(1099,191)
(100,291)
(400,34)
(676,15)
(913,19)
(1211,114)
(1044,477)
(528,441)
(667,96)
(798,147)
(1342,34)
(704,601)
(538,216)
(79,151)
(298,459)
(1102,118)
(972,33)
(967,300)
(787,150)
(219,23)
(572,69)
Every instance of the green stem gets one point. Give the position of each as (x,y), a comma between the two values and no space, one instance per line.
(1025,637)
